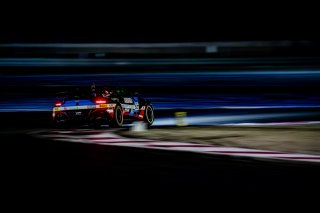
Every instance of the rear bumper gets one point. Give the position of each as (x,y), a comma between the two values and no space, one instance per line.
(83,114)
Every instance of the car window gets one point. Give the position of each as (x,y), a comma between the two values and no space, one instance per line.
(75,94)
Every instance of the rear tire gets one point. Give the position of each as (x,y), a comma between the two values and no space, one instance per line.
(149,115)
(117,120)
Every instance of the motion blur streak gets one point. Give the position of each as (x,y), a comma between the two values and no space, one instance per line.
(188,90)
(42,62)
(217,119)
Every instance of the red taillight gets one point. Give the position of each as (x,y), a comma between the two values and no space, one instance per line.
(101,101)
(57,104)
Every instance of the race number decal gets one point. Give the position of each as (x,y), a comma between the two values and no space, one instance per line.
(136,103)
(136,106)
(128,100)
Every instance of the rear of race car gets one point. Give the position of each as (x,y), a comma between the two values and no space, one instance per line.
(95,111)
(113,107)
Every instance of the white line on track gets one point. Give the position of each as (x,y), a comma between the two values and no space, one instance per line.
(109,137)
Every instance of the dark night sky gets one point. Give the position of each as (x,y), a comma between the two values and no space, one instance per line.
(136,27)
(158,33)
(157,22)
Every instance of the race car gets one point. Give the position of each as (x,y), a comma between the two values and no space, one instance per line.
(101,105)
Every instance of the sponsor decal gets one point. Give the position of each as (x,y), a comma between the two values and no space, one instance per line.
(136,103)
(128,100)
(76,107)
(127,106)
(102,105)
(105,105)
(85,107)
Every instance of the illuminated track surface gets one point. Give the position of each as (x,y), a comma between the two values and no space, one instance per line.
(98,160)
(109,137)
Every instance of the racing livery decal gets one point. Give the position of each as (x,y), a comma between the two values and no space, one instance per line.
(100,105)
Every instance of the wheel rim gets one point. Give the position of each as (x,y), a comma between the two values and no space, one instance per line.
(119,116)
(149,114)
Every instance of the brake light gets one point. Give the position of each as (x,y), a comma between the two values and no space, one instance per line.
(101,101)
(57,104)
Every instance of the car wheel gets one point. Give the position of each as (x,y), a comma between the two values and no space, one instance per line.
(117,120)
(149,115)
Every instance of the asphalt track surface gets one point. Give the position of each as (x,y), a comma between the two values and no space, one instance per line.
(114,137)
(42,165)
